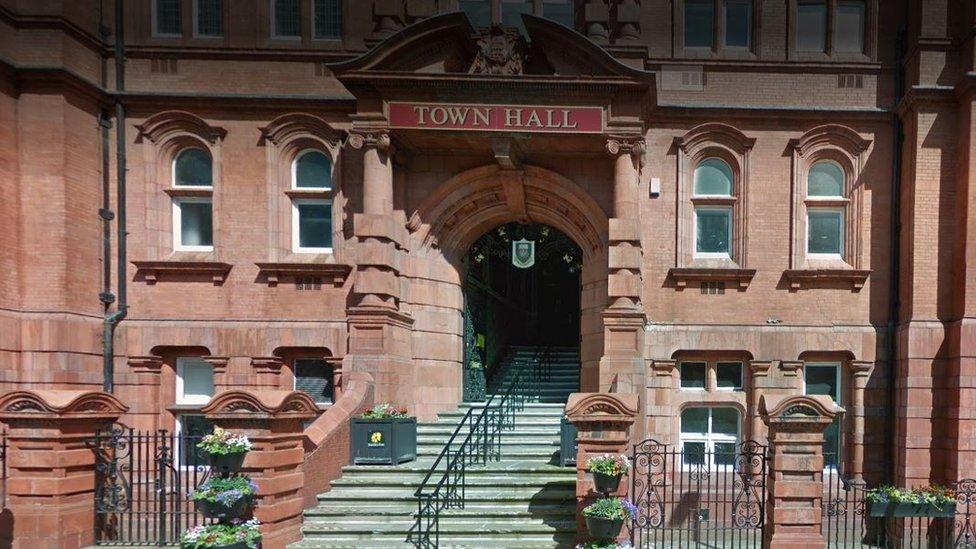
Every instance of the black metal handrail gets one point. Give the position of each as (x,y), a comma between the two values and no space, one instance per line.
(481,444)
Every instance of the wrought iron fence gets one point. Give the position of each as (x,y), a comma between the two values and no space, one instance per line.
(3,469)
(692,498)
(847,522)
(475,441)
(142,484)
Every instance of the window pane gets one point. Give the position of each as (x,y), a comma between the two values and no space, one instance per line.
(478,12)
(314,377)
(725,421)
(693,375)
(287,18)
(738,22)
(328,19)
(193,167)
(512,11)
(210,17)
(713,176)
(197,377)
(729,375)
(169,18)
(714,227)
(699,22)
(826,232)
(315,225)
(724,453)
(825,179)
(313,170)
(196,224)
(831,446)
(560,11)
(811,26)
(192,429)
(821,380)
(694,420)
(849,27)
(694,453)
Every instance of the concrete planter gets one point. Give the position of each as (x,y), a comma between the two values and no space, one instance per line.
(604,528)
(899,509)
(567,443)
(383,441)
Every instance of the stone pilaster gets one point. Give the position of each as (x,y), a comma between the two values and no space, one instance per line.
(603,425)
(50,464)
(661,385)
(794,504)
(758,378)
(860,373)
(273,421)
(267,370)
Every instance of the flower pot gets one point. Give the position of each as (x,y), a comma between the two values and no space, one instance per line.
(604,528)
(383,441)
(606,484)
(226,464)
(222,512)
(900,509)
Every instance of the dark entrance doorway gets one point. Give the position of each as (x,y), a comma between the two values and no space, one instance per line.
(522,289)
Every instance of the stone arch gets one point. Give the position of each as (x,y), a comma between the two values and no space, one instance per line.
(453,217)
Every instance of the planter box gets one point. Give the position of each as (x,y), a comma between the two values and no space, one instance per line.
(567,443)
(383,441)
(603,528)
(892,509)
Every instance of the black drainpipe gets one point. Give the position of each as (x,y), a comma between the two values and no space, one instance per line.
(114,318)
(893,293)
(104,125)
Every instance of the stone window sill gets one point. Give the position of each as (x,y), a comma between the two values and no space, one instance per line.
(182,270)
(682,275)
(799,278)
(334,273)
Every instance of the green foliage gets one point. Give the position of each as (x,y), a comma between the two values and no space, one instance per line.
(609,465)
(385,410)
(225,490)
(216,535)
(935,495)
(221,443)
(611,508)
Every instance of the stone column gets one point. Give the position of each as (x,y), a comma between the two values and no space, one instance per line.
(267,371)
(860,372)
(661,385)
(603,424)
(379,331)
(794,511)
(51,466)
(624,319)
(759,377)
(273,421)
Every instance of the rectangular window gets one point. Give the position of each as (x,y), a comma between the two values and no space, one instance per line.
(194,381)
(709,435)
(825,231)
(312,226)
(849,26)
(693,375)
(728,376)
(193,224)
(699,23)
(738,23)
(167,18)
(713,231)
(191,428)
(824,379)
(327,17)
(314,376)
(560,11)
(811,26)
(287,18)
(210,17)
(478,12)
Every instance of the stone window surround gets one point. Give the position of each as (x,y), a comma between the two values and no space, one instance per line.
(711,396)
(289,356)
(711,374)
(709,437)
(718,49)
(870,53)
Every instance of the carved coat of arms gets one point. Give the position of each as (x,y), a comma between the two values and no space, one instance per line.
(500,51)
(523,253)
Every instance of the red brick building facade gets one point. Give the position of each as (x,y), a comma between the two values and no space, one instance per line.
(787,186)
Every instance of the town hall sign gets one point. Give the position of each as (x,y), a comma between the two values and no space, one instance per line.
(511,118)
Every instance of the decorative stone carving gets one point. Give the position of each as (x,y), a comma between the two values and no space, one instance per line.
(288,126)
(159,126)
(596,15)
(500,51)
(262,404)
(60,403)
(628,21)
(634,145)
(379,139)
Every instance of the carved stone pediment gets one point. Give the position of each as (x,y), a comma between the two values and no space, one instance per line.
(500,51)
(59,403)
(816,408)
(261,404)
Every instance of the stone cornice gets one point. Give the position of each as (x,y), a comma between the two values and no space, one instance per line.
(151,270)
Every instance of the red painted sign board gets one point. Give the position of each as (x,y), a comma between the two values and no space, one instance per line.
(495,118)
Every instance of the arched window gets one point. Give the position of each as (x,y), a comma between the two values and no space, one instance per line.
(193,167)
(312,170)
(825,217)
(709,435)
(193,214)
(312,209)
(713,218)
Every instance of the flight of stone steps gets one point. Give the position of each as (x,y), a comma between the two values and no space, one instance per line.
(523,501)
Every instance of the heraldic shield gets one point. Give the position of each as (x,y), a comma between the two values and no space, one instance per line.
(523,253)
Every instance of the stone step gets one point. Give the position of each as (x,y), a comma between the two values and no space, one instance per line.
(508,442)
(503,481)
(564,492)
(448,526)
(520,430)
(383,509)
(561,540)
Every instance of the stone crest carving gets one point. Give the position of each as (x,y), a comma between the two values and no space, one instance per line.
(500,51)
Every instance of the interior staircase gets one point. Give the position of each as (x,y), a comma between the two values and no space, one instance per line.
(523,501)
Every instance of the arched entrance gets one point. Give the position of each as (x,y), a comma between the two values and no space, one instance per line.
(521,290)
